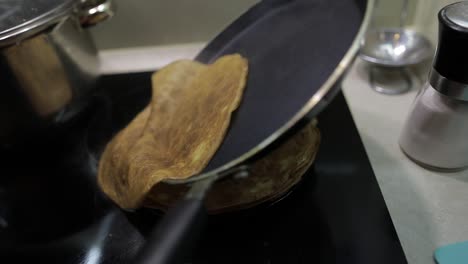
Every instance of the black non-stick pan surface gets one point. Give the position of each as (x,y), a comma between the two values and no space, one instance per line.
(293,47)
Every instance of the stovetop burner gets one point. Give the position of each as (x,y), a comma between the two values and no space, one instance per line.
(51,210)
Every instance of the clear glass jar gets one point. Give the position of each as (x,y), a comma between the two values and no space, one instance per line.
(435,134)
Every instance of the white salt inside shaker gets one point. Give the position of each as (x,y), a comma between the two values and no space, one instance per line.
(435,134)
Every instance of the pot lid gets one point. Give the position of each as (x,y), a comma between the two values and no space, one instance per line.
(22,18)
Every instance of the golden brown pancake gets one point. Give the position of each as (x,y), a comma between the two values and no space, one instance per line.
(178,133)
(270,177)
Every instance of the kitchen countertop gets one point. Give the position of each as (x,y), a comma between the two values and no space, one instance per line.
(429,209)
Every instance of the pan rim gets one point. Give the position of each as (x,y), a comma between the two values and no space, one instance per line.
(322,92)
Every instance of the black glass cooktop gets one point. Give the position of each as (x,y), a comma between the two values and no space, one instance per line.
(52,212)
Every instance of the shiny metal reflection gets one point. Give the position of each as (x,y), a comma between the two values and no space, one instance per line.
(42,75)
(395,47)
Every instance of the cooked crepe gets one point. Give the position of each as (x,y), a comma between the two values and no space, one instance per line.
(178,133)
(270,177)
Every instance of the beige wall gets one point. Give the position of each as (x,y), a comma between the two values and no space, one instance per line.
(161,22)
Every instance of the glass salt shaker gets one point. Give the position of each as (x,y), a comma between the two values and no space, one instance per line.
(435,134)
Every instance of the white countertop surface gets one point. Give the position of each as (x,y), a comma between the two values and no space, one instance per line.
(429,209)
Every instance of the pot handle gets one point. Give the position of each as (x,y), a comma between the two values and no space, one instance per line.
(92,12)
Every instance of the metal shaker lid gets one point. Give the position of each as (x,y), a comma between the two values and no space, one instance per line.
(457,14)
(23,18)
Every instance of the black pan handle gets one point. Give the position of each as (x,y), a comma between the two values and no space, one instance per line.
(179,229)
(173,238)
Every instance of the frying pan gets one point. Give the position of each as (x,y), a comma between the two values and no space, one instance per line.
(298,51)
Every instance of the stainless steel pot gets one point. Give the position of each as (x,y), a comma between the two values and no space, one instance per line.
(48,63)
